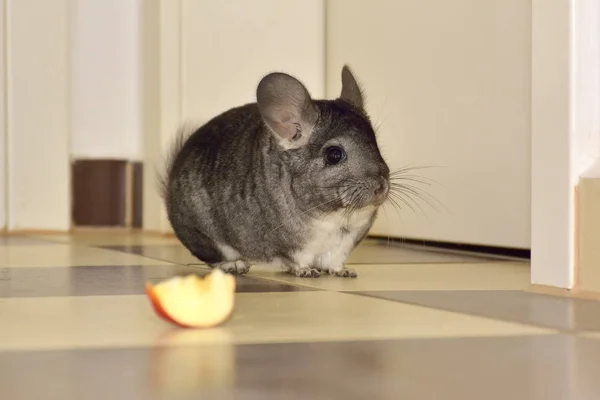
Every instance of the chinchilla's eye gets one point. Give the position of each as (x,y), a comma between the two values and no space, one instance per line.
(334,155)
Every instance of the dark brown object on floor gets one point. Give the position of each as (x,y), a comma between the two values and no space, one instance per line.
(137,194)
(99,192)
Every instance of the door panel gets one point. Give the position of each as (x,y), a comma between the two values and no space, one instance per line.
(448,84)
(227,47)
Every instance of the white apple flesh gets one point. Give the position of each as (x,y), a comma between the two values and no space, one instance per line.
(194,302)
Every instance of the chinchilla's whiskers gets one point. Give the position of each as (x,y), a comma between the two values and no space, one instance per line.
(341,196)
(404,190)
(346,188)
(409,199)
(353,203)
(418,193)
(352,196)
(395,198)
(351,200)
(408,168)
(413,178)
(347,193)
(415,195)
(423,194)
(403,193)
(342,190)
(393,204)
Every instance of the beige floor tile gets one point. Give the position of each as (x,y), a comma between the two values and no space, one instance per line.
(109,239)
(590,335)
(129,321)
(59,255)
(470,276)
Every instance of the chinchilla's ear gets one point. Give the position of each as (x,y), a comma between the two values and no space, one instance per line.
(351,91)
(287,109)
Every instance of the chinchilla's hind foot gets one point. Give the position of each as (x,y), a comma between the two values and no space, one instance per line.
(238,267)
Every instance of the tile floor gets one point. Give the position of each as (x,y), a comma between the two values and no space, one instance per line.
(416,324)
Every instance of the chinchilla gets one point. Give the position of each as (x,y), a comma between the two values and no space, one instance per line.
(287,181)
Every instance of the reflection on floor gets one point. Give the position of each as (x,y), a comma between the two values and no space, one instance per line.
(415,324)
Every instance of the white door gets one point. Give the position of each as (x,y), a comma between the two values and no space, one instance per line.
(449,82)
(3,160)
(246,40)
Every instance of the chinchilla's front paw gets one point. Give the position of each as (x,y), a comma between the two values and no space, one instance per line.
(238,267)
(304,272)
(342,272)
(333,264)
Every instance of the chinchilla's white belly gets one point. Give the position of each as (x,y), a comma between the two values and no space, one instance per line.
(332,238)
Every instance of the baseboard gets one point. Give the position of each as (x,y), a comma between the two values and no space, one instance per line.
(588,235)
(567,293)
(460,247)
(33,232)
(107,193)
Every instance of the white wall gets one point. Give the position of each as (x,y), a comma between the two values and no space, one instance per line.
(450,82)
(106,74)
(587,83)
(37,117)
(3,135)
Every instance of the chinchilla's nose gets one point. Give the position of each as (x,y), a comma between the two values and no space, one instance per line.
(379,170)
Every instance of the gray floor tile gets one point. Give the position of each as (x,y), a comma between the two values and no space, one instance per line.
(109,280)
(516,306)
(516,368)
(171,252)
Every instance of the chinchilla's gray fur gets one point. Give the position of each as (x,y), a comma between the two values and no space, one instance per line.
(287,180)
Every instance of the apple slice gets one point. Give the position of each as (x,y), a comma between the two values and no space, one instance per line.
(194,302)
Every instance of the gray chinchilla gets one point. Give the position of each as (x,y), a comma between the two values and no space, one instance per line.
(287,181)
